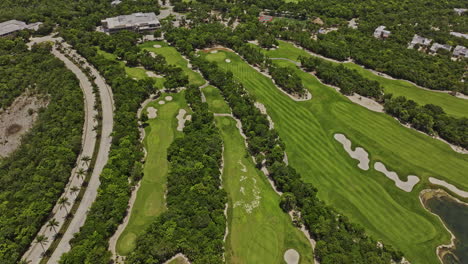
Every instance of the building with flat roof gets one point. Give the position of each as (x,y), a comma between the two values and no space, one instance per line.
(381,33)
(436,46)
(418,40)
(10,27)
(134,22)
(460,51)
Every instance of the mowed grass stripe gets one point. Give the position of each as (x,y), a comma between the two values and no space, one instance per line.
(452,105)
(387,212)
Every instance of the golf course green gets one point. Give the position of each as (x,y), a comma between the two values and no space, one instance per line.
(173,57)
(215,101)
(259,231)
(452,105)
(150,200)
(366,197)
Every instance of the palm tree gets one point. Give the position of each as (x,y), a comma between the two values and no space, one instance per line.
(86,160)
(63,202)
(80,173)
(74,189)
(41,239)
(52,224)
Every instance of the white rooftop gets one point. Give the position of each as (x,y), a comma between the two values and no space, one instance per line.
(11,26)
(460,51)
(460,35)
(437,46)
(133,20)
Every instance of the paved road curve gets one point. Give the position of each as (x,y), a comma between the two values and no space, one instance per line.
(88,143)
(107,102)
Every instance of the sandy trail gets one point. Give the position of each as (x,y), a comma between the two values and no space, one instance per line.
(263,110)
(16,121)
(358,154)
(449,186)
(406,186)
(107,104)
(88,144)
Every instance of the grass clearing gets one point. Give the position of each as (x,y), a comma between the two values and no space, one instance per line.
(215,101)
(452,105)
(366,197)
(173,57)
(150,202)
(132,72)
(259,231)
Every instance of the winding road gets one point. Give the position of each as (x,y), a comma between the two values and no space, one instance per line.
(88,145)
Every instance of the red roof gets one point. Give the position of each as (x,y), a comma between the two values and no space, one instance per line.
(265,18)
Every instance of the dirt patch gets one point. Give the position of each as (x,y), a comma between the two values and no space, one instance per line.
(17,120)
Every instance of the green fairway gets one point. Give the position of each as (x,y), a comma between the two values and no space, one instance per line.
(452,105)
(132,72)
(173,57)
(215,101)
(259,231)
(150,202)
(366,197)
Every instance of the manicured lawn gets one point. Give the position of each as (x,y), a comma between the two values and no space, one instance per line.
(366,197)
(259,231)
(150,197)
(132,72)
(173,57)
(452,105)
(215,101)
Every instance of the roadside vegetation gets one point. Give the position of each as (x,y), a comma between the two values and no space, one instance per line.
(33,177)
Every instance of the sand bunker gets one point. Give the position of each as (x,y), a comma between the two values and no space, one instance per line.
(406,186)
(152,112)
(358,154)
(291,256)
(367,103)
(227,60)
(157,46)
(18,119)
(449,186)
(181,119)
(161,102)
(214,51)
(152,74)
(168,98)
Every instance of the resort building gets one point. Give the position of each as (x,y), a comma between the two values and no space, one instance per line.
(134,22)
(10,27)
(381,33)
(460,11)
(460,51)
(436,46)
(418,40)
(459,35)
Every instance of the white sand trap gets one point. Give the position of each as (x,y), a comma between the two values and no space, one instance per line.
(152,112)
(168,98)
(449,186)
(291,256)
(367,103)
(214,51)
(181,119)
(406,186)
(161,102)
(358,154)
(227,60)
(151,74)
(157,46)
